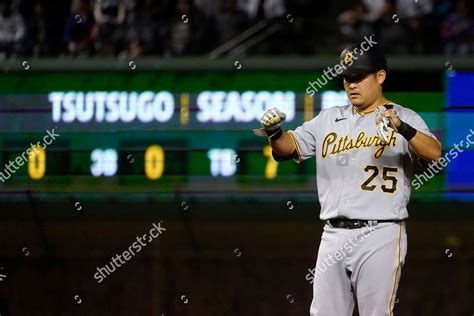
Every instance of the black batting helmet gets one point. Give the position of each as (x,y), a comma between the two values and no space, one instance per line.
(358,62)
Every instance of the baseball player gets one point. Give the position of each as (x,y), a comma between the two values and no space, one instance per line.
(364,158)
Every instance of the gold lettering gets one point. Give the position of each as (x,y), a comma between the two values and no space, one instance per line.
(328,140)
(360,140)
(380,151)
(332,144)
(393,138)
(378,141)
(370,141)
(340,145)
(350,145)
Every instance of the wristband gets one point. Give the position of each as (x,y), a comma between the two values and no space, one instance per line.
(275,134)
(406,130)
(279,158)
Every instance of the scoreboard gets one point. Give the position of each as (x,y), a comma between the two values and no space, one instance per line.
(129,133)
(149,140)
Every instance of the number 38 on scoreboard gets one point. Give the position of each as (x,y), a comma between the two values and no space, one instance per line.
(107,162)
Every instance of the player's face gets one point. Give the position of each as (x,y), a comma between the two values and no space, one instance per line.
(364,91)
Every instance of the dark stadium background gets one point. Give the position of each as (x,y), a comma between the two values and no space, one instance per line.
(235,244)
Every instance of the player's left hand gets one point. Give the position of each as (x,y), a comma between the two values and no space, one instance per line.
(393,116)
(386,119)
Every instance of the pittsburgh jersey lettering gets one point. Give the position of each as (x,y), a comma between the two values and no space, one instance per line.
(336,145)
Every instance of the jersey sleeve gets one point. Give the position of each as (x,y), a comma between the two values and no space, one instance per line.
(304,137)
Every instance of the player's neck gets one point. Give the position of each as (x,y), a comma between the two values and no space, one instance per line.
(372,107)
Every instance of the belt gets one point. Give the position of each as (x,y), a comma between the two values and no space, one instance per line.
(356,223)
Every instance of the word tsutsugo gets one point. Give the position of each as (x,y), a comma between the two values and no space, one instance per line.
(151,107)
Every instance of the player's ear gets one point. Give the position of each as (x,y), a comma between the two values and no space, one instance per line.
(381,75)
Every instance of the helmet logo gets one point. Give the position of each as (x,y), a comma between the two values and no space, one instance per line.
(348,58)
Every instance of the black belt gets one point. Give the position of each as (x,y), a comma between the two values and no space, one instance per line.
(356,223)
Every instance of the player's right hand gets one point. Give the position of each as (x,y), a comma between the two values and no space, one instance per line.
(272,119)
(271,122)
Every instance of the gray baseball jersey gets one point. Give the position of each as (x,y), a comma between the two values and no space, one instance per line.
(358,177)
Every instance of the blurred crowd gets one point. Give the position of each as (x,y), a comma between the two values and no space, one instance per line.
(412,27)
(170,28)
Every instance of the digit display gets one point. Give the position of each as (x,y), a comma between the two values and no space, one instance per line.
(132,136)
